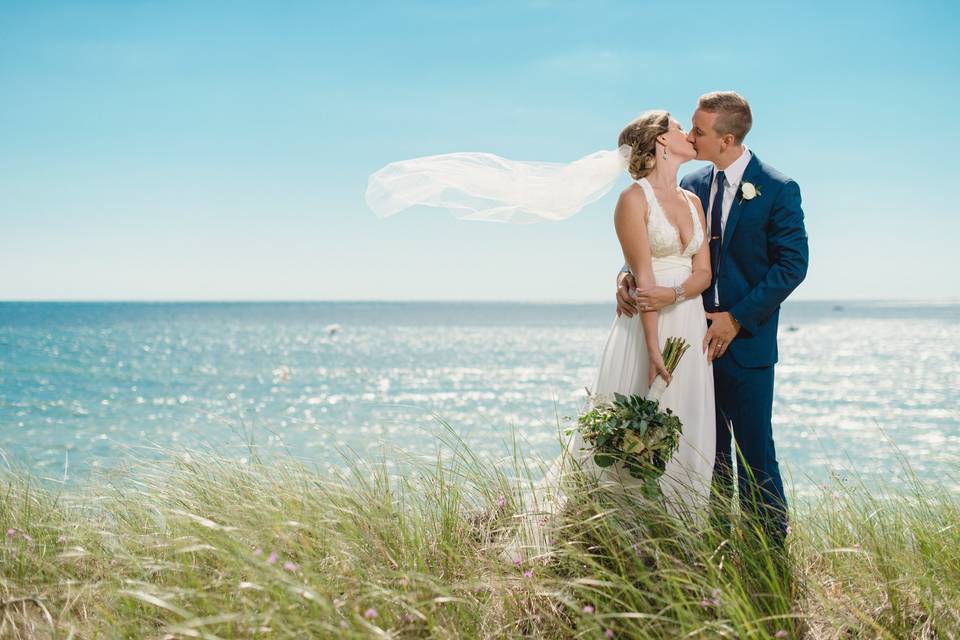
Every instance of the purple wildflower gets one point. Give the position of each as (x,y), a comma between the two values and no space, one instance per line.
(528,573)
(11,533)
(608,633)
(501,501)
(780,634)
(588,609)
(370,613)
(290,566)
(272,557)
(62,539)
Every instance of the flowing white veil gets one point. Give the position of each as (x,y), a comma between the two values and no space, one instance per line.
(483,186)
(474,185)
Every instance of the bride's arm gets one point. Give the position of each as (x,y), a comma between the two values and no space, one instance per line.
(630,220)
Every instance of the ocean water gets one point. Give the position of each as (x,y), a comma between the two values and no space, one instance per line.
(860,387)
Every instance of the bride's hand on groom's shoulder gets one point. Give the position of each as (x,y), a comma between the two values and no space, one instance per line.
(626,285)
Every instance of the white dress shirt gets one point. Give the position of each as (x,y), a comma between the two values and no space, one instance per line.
(733,176)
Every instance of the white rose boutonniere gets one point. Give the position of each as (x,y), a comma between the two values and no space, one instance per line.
(748,191)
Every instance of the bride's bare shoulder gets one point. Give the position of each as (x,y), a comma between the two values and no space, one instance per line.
(632,201)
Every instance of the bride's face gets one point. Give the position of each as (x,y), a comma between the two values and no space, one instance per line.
(677,142)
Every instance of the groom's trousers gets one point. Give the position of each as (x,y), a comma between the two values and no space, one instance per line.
(744,408)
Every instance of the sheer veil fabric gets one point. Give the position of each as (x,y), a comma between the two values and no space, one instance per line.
(475,185)
(484,186)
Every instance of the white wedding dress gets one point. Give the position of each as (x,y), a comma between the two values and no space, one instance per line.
(624,364)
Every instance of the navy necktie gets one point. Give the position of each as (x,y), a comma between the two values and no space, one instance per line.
(716,232)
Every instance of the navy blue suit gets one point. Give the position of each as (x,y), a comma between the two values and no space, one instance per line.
(764,256)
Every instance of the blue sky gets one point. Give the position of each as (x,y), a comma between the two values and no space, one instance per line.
(183,150)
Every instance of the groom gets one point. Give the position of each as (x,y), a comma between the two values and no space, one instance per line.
(758,254)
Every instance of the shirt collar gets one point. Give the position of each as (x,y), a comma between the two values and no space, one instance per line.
(734,173)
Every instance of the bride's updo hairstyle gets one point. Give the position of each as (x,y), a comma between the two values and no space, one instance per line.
(641,134)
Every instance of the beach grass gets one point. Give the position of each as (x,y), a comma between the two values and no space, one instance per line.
(193,545)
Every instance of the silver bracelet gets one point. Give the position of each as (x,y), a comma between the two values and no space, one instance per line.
(678,290)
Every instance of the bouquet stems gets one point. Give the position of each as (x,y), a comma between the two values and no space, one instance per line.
(673,350)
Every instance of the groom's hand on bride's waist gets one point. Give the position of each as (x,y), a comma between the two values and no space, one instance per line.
(722,331)
(626,286)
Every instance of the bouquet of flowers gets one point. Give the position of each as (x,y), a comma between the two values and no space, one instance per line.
(634,429)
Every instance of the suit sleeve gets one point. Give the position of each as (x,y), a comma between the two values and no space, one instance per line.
(788,249)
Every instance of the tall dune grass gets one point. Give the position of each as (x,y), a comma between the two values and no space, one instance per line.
(199,546)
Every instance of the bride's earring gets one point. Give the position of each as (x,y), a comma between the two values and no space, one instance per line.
(664,152)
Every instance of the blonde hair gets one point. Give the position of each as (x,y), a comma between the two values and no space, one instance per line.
(733,113)
(641,134)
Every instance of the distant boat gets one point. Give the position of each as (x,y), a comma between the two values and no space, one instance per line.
(332,329)
(838,307)
(793,327)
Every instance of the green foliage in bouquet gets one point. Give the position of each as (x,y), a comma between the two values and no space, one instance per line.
(634,431)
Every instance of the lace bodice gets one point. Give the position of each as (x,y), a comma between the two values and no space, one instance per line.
(664,237)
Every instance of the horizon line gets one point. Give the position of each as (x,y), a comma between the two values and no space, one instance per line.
(941,300)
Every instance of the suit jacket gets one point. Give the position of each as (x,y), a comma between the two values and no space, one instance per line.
(763,257)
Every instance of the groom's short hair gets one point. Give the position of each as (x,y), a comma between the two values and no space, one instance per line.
(733,113)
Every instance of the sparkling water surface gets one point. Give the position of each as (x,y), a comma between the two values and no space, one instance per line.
(88,385)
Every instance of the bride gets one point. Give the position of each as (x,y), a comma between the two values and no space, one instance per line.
(661,232)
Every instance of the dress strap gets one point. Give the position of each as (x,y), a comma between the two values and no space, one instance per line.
(693,210)
(648,191)
(697,229)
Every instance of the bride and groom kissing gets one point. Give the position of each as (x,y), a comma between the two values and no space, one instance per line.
(709,261)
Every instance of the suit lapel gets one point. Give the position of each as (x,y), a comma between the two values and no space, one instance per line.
(703,191)
(733,217)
